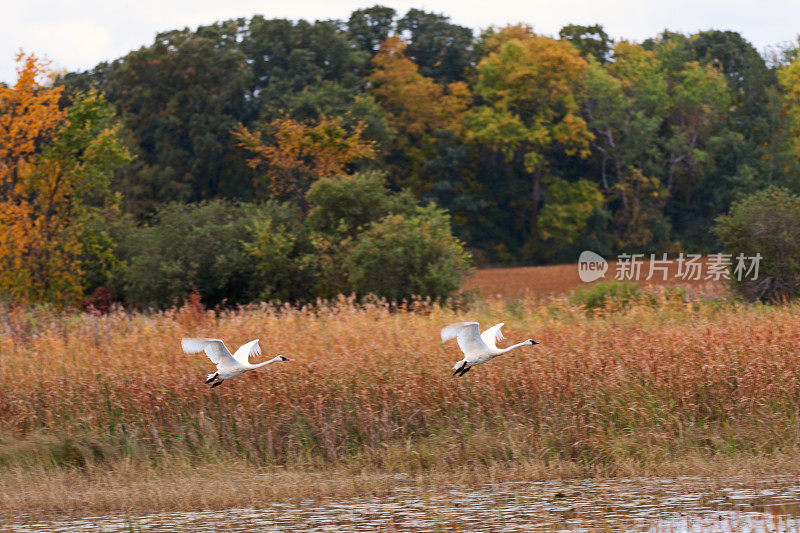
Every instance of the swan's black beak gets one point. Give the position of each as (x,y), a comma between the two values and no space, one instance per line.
(534,342)
(284,358)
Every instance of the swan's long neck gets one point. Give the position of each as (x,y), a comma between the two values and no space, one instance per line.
(265,363)
(524,343)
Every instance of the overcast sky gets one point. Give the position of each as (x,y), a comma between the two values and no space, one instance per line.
(77,34)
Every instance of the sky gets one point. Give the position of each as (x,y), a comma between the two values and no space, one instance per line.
(78,34)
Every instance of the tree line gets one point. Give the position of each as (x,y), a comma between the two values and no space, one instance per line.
(509,146)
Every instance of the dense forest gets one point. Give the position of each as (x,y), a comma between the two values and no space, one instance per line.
(275,159)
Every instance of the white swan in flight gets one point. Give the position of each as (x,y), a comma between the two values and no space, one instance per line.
(229,365)
(478,347)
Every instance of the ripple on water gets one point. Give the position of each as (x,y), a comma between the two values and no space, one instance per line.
(635,504)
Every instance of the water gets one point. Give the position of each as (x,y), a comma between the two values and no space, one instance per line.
(638,504)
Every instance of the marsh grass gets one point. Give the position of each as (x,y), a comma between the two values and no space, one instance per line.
(618,391)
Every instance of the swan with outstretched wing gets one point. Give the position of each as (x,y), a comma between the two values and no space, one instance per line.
(478,348)
(229,365)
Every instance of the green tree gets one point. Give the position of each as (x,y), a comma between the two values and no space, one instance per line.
(302,69)
(765,223)
(279,248)
(192,247)
(346,206)
(342,209)
(180,98)
(698,100)
(592,41)
(568,208)
(529,84)
(746,72)
(371,26)
(722,139)
(658,114)
(625,104)
(442,50)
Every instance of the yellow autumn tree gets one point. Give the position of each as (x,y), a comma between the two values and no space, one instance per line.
(298,154)
(29,116)
(789,77)
(51,161)
(416,105)
(417,108)
(529,85)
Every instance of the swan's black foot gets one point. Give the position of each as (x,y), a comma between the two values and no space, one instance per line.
(212,378)
(217,383)
(459,369)
(464,370)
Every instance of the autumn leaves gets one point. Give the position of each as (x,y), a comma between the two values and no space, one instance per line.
(54,176)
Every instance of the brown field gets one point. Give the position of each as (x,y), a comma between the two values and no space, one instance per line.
(549,280)
(100,405)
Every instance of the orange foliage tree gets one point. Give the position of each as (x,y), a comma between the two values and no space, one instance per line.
(416,105)
(299,154)
(51,160)
(416,108)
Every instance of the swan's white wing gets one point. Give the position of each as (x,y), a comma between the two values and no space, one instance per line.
(492,335)
(214,348)
(468,336)
(452,331)
(242,355)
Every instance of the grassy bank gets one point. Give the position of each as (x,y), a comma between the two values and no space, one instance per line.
(178,485)
(90,403)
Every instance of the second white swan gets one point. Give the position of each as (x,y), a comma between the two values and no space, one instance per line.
(478,347)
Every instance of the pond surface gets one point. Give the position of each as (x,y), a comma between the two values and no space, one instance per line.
(635,504)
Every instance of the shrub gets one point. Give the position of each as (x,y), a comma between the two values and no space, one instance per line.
(767,223)
(607,295)
(100,301)
(359,237)
(403,256)
(347,204)
(341,208)
(349,217)
(192,247)
(279,246)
